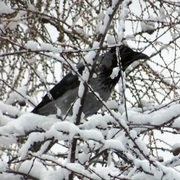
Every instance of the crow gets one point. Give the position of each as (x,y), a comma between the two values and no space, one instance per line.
(65,93)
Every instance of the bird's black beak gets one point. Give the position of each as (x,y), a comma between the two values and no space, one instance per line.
(131,57)
(139,56)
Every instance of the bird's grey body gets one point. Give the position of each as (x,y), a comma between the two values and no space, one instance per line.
(65,93)
(67,100)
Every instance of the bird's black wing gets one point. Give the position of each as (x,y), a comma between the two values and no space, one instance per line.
(70,81)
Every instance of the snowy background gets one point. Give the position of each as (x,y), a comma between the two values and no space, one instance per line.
(137,137)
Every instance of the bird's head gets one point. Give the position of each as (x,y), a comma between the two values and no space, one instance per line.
(108,62)
(128,56)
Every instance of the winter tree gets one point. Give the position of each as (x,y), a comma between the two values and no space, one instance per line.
(135,135)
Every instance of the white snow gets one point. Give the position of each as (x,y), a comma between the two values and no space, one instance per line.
(3,166)
(110,39)
(89,57)
(112,104)
(104,20)
(41,75)
(76,167)
(93,132)
(32,45)
(85,75)
(122,17)
(76,107)
(114,73)
(50,47)
(4,9)
(35,170)
(95,44)
(27,122)
(114,144)
(92,135)
(20,96)
(84,157)
(155,118)
(31,7)
(8,109)
(63,127)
